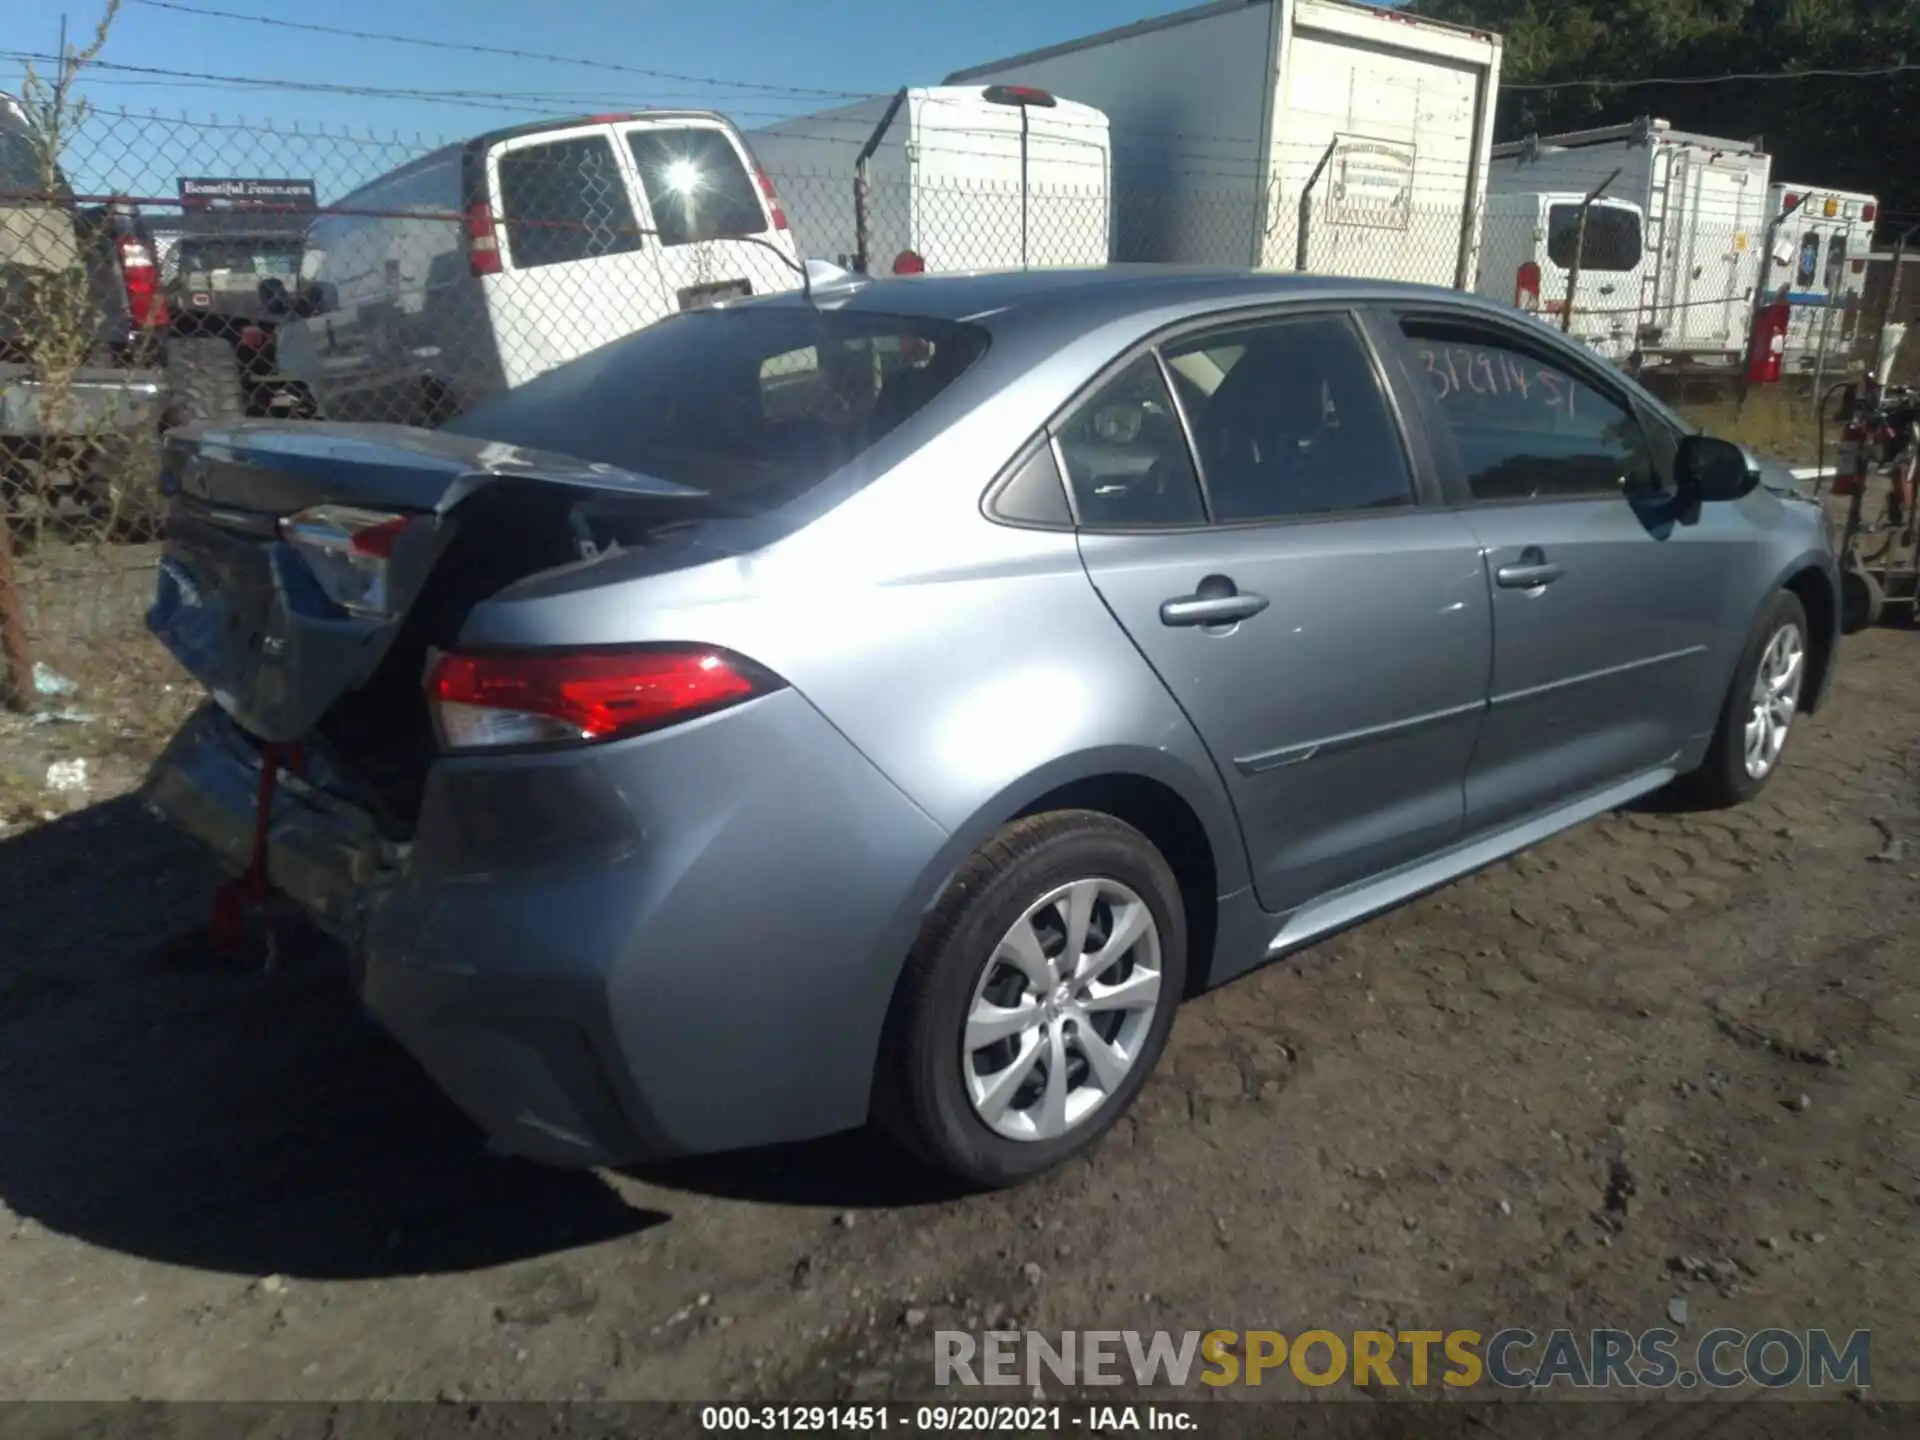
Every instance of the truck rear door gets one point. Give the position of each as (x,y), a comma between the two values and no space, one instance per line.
(1606,293)
(575,271)
(1068,194)
(719,233)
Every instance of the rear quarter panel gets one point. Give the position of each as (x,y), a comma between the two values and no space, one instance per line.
(972,662)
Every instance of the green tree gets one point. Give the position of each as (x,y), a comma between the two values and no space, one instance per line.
(1846,133)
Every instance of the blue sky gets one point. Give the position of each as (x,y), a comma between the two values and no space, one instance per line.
(829,45)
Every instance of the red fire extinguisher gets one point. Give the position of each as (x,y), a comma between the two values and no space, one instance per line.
(1856,450)
(1769,346)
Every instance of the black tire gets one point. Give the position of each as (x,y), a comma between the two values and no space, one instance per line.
(1861,601)
(203,381)
(921,1092)
(1722,781)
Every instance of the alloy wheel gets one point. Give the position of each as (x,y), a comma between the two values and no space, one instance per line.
(1775,699)
(1062,1010)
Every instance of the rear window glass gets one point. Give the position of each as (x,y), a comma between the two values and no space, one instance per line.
(696,185)
(753,406)
(1613,237)
(238,257)
(565,200)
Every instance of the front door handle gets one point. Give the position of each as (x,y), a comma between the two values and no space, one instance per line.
(1532,570)
(1217,601)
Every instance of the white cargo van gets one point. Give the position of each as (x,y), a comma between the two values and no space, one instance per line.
(1526,259)
(485,263)
(1705,206)
(952,177)
(1820,259)
(1221,116)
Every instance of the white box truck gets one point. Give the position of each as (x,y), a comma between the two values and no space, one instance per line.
(1705,203)
(1222,115)
(1820,259)
(940,178)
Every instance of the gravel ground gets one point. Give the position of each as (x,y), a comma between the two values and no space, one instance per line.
(1664,1058)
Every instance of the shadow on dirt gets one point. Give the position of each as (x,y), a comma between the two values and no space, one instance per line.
(234,1120)
(858,1171)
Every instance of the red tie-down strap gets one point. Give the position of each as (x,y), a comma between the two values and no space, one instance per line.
(241,902)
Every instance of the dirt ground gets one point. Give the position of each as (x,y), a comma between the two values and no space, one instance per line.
(1660,1044)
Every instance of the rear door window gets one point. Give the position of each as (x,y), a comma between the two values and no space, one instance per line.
(1613,238)
(565,200)
(696,184)
(1289,421)
(1126,455)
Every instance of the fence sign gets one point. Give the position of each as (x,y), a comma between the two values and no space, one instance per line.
(199,196)
(1373,183)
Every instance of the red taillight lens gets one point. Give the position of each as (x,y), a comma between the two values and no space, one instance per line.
(540,697)
(146,306)
(1868,211)
(483,243)
(908,262)
(773,198)
(1526,286)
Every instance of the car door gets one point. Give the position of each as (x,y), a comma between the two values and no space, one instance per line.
(1607,610)
(715,233)
(1325,629)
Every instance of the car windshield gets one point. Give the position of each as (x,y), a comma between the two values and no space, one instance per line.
(755,406)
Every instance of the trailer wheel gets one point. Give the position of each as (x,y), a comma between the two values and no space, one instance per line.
(203,381)
(1861,601)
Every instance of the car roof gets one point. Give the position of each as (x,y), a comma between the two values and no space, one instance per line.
(1088,298)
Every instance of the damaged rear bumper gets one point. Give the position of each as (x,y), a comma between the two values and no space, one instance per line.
(682,943)
(326,856)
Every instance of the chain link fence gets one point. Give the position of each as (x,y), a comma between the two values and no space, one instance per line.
(162,271)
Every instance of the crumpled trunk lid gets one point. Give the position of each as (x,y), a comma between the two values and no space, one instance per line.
(240,604)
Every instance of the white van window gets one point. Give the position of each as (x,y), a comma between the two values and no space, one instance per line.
(1613,237)
(565,201)
(696,185)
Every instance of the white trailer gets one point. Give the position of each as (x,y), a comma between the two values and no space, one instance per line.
(1224,115)
(957,177)
(1705,202)
(1820,260)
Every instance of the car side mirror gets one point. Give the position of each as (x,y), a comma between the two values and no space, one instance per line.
(1709,470)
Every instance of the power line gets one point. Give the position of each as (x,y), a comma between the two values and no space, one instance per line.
(1758,75)
(474,49)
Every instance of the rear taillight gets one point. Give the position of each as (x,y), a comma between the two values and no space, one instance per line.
(773,198)
(146,305)
(909,262)
(1526,286)
(508,698)
(348,551)
(1868,211)
(483,242)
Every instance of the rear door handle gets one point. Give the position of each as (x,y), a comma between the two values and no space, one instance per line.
(1216,602)
(1531,571)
